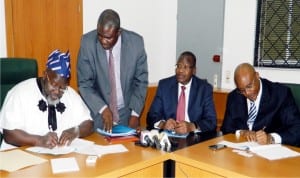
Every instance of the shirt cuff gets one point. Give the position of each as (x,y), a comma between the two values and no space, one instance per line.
(237,133)
(156,124)
(102,109)
(133,113)
(276,138)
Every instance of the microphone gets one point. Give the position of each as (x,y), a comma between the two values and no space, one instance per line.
(155,139)
(145,138)
(165,142)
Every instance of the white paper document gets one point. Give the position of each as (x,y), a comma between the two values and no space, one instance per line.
(77,144)
(270,152)
(81,146)
(8,160)
(274,151)
(54,151)
(60,165)
(100,150)
(239,146)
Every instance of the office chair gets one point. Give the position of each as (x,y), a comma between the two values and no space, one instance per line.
(13,71)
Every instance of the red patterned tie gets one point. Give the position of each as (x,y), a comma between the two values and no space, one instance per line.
(113,95)
(180,115)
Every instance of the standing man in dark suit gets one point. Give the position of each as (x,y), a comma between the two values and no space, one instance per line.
(126,93)
(276,119)
(199,113)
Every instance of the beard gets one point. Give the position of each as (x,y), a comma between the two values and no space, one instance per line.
(51,101)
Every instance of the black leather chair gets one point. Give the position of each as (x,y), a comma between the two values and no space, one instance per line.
(295,88)
(13,71)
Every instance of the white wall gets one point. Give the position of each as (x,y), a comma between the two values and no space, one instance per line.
(155,20)
(239,36)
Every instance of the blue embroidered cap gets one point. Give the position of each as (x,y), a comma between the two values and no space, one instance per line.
(60,63)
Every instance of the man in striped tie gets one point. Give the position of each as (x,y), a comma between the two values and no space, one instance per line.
(261,110)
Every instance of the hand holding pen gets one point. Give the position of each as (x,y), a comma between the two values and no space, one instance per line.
(50,140)
(262,136)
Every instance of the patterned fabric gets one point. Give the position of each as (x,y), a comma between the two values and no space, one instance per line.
(251,115)
(60,63)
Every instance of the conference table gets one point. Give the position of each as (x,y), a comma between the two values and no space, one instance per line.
(137,162)
(189,157)
(199,161)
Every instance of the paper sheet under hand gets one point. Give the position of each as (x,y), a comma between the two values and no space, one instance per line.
(54,151)
(77,144)
(8,160)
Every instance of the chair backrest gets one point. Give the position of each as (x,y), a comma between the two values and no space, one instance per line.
(15,70)
(295,88)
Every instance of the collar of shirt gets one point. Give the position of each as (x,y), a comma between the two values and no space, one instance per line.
(116,50)
(257,101)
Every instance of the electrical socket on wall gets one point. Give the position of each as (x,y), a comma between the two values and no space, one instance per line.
(216,81)
(227,76)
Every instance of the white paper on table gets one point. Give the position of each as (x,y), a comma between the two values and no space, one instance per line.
(54,151)
(76,144)
(24,159)
(80,144)
(60,165)
(240,146)
(274,151)
(101,150)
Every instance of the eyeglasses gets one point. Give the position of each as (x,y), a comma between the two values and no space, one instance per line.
(184,67)
(249,87)
(53,85)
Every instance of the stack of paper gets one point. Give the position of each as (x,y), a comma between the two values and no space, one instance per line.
(117,131)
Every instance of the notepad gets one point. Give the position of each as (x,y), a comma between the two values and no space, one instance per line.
(60,165)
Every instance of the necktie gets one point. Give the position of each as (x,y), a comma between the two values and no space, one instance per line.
(180,114)
(52,118)
(113,95)
(251,115)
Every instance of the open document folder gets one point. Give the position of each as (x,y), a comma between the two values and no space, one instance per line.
(117,131)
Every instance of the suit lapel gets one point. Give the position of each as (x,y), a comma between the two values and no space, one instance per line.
(103,64)
(124,61)
(262,109)
(172,96)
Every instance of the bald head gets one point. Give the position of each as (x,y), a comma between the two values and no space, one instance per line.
(242,70)
(247,81)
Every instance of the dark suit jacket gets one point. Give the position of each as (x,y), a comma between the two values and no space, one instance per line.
(277,112)
(93,80)
(201,108)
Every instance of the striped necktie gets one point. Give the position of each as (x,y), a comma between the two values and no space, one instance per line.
(251,115)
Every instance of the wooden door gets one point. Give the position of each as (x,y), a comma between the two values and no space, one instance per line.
(36,27)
